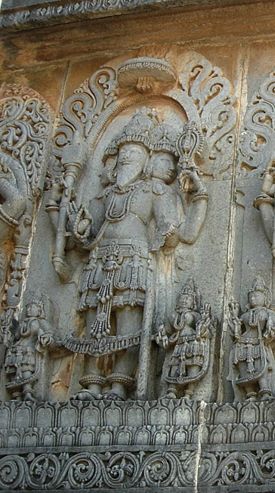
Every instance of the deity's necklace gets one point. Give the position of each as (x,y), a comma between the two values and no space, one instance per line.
(113,213)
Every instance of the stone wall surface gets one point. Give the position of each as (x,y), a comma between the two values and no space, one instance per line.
(137,279)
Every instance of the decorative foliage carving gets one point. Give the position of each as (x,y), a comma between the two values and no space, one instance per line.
(137,469)
(81,110)
(210,93)
(24,133)
(257,137)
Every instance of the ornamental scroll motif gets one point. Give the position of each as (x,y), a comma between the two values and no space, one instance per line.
(25,126)
(210,97)
(258,133)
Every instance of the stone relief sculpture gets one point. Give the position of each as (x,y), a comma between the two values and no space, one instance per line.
(150,197)
(252,363)
(25,356)
(25,126)
(115,281)
(193,327)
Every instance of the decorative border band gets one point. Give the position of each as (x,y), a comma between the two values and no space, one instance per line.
(59,12)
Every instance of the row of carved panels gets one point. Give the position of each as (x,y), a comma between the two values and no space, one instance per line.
(165,412)
(124,436)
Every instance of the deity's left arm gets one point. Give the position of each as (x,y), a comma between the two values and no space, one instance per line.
(170,230)
(190,229)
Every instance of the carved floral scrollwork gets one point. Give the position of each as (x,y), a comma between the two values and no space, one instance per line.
(258,133)
(211,94)
(123,470)
(25,127)
(84,471)
(12,470)
(24,130)
(82,109)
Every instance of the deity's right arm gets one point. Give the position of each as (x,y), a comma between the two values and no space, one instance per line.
(79,224)
(84,224)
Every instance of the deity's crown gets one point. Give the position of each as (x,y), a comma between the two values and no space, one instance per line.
(164,138)
(258,285)
(137,130)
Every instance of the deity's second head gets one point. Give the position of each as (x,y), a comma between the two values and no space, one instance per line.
(163,165)
(164,157)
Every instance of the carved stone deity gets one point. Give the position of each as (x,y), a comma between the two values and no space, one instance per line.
(193,328)
(252,362)
(33,335)
(140,216)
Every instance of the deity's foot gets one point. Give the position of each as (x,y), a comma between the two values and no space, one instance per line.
(170,395)
(265,395)
(112,396)
(85,395)
(29,397)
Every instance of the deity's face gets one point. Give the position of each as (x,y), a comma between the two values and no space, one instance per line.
(163,166)
(186,301)
(33,310)
(256,298)
(130,163)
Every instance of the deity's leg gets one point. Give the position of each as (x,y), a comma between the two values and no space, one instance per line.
(128,322)
(93,379)
(264,384)
(193,371)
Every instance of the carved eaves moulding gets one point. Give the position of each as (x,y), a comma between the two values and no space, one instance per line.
(26,16)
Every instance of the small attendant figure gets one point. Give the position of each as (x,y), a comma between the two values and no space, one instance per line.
(24,358)
(193,327)
(251,358)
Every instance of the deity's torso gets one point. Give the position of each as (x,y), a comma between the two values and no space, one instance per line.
(254,321)
(128,212)
(186,322)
